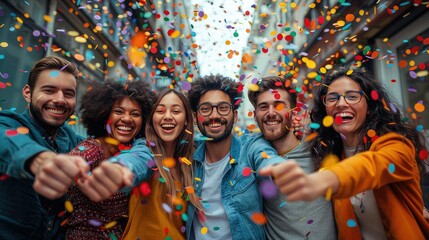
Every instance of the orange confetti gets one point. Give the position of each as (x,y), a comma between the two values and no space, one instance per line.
(259,218)
(311,136)
(79,57)
(169,162)
(22,130)
(371,133)
(350,17)
(264,155)
(419,107)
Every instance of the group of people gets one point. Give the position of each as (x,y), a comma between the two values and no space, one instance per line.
(144,173)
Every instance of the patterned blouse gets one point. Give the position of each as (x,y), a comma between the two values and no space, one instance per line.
(95,220)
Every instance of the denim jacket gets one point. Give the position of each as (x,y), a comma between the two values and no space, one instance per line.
(23,213)
(240,194)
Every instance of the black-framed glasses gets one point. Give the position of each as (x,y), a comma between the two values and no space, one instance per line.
(223,108)
(351,97)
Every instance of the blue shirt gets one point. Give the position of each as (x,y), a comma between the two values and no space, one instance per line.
(239,192)
(23,213)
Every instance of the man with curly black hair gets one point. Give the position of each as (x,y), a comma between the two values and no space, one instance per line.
(225,165)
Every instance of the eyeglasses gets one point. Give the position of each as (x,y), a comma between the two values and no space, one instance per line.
(223,108)
(351,97)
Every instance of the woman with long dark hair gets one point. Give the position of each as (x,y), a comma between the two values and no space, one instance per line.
(375,186)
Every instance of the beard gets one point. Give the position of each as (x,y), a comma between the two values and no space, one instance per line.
(278,133)
(36,113)
(217,138)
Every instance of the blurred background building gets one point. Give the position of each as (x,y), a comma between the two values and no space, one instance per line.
(108,39)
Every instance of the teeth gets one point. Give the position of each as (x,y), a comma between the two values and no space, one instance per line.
(168,125)
(56,111)
(344,115)
(271,122)
(123,128)
(215,124)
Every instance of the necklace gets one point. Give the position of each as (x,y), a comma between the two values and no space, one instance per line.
(287,151)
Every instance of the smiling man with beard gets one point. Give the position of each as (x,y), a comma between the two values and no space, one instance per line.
(51,95)
(35,172)
(273,103)
(225,175)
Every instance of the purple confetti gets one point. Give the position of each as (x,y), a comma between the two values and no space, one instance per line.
(268,189)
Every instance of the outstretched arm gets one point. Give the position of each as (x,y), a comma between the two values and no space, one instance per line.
(297,185)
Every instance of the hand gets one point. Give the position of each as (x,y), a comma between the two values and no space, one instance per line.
(426,213)
(297,185)
(54,173)
(105,180)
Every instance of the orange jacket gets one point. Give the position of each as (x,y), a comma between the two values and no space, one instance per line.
(397,193)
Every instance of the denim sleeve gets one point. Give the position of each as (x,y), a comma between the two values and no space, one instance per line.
(139,159)
(15,151)
(260,152)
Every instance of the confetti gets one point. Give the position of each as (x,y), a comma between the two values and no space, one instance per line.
(259,218)
(327,121)
(351,223)
(69,206)
(169,162)
(268,189)
(391,168)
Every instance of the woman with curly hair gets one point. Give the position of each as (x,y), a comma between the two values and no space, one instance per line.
(158,208)
(114,114)
(375,187)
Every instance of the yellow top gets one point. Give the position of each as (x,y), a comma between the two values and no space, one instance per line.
(149,216)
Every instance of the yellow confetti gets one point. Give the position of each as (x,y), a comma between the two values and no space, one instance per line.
(19,20)
(310,64)
(4,44)
(110,224)
(175,34)
(204,230)
(231,161)
(328,121)
(198,179)
(47,18)
(112,141)
(186,161)
(264,155)
(328,194)
(349,72)
(80,39)
(69,206)
(111,64)
(253,87)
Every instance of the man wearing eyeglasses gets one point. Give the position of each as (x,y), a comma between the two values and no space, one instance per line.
(224,166)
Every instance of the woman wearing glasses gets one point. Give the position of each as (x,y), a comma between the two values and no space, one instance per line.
(375,187)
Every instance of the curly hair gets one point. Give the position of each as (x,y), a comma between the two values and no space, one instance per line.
(215,82)
(379,117)
(98,101)
(272,82)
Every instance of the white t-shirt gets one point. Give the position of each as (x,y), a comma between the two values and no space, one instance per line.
(366,210)
(216,221)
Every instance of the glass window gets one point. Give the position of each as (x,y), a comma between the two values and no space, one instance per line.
(414,75)
(23,50)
